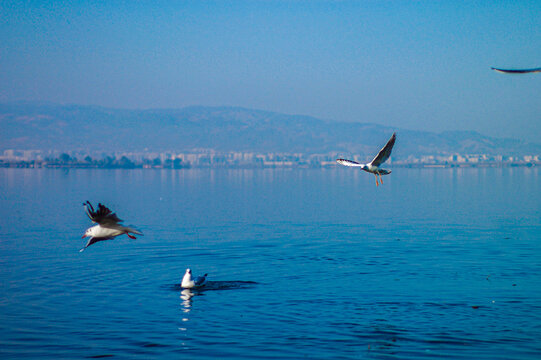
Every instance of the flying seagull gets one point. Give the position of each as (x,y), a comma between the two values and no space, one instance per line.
(108,225)
(516,71)
(374,166)
(189,282)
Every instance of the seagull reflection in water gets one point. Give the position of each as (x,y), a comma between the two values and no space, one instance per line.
(186,295)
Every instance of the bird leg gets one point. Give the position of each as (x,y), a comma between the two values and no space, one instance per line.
(380,178)
(131,236)
(376,179)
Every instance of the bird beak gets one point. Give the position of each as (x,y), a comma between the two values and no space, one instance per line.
(83,236)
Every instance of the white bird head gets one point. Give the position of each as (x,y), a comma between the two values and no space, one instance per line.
(187,275)
(89,232)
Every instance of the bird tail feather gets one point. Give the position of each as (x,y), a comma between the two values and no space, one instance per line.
(133,230)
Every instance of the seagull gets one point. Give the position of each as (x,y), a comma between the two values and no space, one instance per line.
(374,166)
(189,282)
(108,225)
(516,71)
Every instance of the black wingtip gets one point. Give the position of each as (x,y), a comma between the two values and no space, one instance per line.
(87,203)
(392,139)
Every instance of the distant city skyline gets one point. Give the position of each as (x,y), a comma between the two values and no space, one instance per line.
(209,158)
(416,65)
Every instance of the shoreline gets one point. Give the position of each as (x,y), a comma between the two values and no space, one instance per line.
(44,165)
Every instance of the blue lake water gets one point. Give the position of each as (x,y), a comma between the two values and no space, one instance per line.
(302,264)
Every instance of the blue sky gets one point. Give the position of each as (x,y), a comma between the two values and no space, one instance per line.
(410,64)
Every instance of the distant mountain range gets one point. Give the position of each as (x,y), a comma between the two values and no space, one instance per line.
(45,126)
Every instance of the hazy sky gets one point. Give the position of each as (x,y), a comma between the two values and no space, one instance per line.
(411,64)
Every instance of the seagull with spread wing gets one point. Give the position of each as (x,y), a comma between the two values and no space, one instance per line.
(108,225)
(374,166)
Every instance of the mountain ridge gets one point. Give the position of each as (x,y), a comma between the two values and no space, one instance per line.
(47,126)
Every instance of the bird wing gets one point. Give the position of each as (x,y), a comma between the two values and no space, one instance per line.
(384,153)
(200,280)
(94,240)
(348,162)
(516,71)
(102,215)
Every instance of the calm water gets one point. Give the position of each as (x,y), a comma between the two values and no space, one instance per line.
(303,264)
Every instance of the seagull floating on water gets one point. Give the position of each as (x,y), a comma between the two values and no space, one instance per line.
(188,282)
(108,225)
(517,71)
(374,166)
